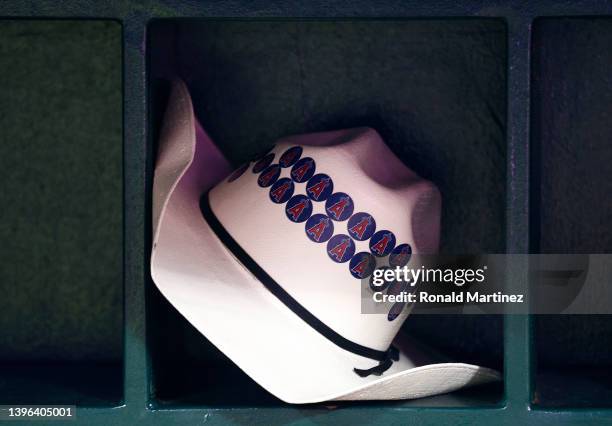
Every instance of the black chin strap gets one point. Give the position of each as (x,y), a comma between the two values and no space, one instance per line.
(385,358)
(384,365)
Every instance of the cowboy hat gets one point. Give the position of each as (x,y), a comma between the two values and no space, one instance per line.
(266,261)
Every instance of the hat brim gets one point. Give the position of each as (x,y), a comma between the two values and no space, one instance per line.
(226,303)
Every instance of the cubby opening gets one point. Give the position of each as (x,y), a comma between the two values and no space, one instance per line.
(61,155)
(436,92)
(570,198)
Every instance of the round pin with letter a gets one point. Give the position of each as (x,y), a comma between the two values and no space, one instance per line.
(362,265)
(339,206)
(319,187)
(282,190)
(238,172)
(299,208)
(319,228)
(290,157)
(340,248)
(382,243)
(400,255)
(361,226)
(269,176)
(263,163)
(303,170)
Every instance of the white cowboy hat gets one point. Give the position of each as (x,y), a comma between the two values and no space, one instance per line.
(266,265)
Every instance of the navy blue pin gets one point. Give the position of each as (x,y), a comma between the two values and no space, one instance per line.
(381,243)
(298,208)
(319,187)
(396,288)
(290,157)
(269,176)
(263,163)
(238,172)
(282,190)
(339,206)
(362,265)
(340,248)
(400,255)
(319,228)
(361,226)
(303,170)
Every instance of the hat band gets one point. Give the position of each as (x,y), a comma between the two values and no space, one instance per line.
(385,358)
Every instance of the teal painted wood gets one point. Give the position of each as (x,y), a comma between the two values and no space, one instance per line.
(137,408)
(137,186)
(518,331)
(374,415)
(61,227)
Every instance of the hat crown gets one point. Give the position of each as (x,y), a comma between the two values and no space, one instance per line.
(319,212)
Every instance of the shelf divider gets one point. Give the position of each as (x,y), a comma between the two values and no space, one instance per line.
(137,199)
(518,348)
